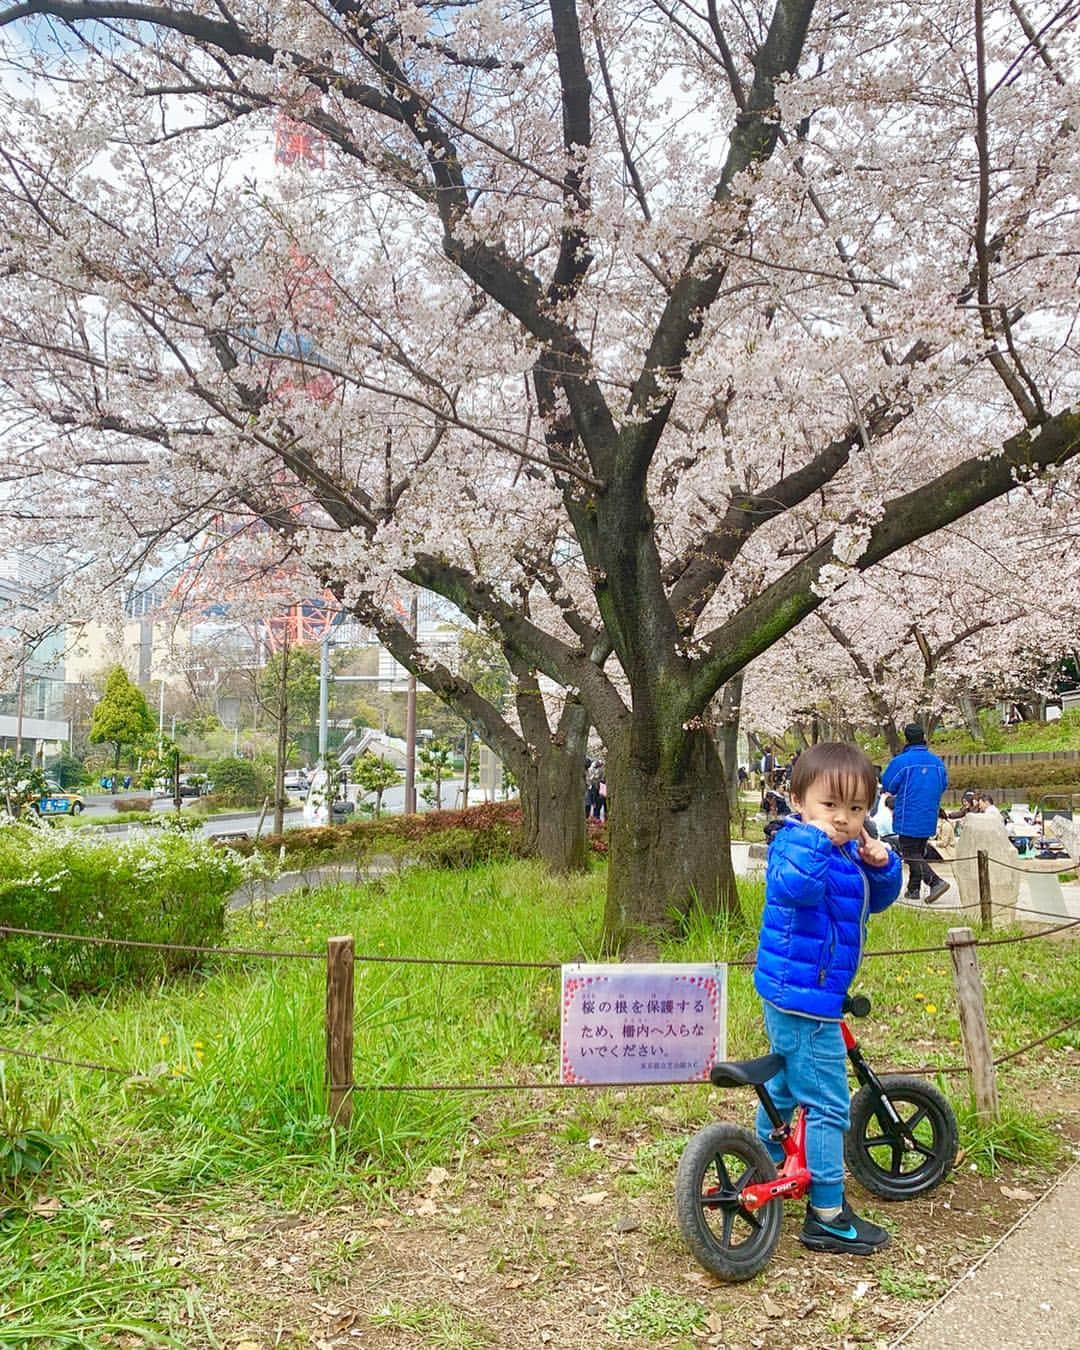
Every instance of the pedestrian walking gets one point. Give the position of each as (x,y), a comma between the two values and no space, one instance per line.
(918,779)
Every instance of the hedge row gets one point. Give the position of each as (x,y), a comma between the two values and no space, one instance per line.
(479,834)
(155,886)
(442,838)
(1035,778)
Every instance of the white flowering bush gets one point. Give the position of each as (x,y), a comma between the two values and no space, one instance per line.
(153,886)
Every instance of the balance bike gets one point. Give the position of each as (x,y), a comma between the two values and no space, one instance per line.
(901,1143)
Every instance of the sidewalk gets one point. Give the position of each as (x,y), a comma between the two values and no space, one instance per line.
(1024,1292)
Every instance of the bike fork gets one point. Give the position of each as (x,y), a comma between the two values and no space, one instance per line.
(867,1078)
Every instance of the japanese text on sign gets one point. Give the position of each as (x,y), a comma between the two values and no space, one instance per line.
(655,1023)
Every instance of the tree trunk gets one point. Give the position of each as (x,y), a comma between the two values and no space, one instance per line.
(552,788)
(670,847)
(892,736)
(468,764)
(971,717)
(727,704)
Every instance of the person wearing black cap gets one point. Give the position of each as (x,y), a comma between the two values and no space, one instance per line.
(918,779)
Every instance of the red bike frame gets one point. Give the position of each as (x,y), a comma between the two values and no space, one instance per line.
(793,1181)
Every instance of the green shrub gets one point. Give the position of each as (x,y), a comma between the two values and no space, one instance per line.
(238,782)
(156,886)
(1035,776)
(463,847)
(494,829)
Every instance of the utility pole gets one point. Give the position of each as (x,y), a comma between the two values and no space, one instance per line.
(324,684)
(410,724)
(282,738)
(20,698)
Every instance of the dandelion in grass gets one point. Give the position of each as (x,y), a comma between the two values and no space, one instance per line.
(931,1008)
(921,997)
(163,1040)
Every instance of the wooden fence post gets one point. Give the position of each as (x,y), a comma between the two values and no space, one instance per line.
(986,911)
(339,1028)
(969,999)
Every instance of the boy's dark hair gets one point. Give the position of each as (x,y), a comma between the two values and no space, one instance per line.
(843,766)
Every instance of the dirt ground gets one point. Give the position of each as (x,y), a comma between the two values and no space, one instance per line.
(547,1242)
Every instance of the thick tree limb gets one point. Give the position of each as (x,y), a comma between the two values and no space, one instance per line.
(930,507)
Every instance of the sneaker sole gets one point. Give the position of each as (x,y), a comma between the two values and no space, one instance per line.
(840,1248)
(933,899)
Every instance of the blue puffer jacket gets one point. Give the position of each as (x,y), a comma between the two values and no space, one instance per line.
(919,779)
(817,898)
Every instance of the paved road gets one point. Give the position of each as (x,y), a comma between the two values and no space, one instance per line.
(1024,1293)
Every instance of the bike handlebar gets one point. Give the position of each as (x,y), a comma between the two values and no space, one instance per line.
(857,1006)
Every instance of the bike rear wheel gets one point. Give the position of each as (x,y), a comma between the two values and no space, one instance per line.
(897,1162)
(718,1162)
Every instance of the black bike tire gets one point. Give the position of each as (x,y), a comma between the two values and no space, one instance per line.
(753,1255)
(911,1091)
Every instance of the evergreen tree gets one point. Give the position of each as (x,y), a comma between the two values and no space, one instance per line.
(121,716)
(375,774)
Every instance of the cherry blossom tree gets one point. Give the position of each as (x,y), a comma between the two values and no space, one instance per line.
(956,621)
(636,332)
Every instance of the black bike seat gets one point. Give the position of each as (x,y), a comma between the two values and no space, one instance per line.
(746,1072)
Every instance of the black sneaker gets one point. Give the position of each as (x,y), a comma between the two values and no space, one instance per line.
(913,896)
(937,890)
(846,1233)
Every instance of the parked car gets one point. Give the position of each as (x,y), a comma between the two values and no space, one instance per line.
(56,801)
(296,781)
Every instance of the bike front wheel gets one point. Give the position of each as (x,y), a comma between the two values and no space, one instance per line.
(899,1159)
(718,1163)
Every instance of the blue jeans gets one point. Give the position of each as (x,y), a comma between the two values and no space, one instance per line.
(814,1076)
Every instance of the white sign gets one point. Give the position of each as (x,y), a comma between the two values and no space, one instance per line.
(647,1023)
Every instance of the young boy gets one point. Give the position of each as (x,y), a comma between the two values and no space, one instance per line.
(823,876)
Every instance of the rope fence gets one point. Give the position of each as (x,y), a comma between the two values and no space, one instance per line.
(537,1085)
(373,958)
(340,959)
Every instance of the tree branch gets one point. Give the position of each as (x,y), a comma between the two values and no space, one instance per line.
(953,494)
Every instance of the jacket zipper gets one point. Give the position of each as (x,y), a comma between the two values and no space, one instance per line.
(829,954)
(862,919)
(862,932)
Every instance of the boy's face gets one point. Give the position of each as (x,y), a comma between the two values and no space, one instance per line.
(840,812)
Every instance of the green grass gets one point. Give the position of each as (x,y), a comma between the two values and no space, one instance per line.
(438,1322)
(226,1104)
(82,820)
(656,1316)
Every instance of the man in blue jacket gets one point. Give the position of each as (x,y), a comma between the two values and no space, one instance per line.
(918,779)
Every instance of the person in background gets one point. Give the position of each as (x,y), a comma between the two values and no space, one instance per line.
(939,848)
(967,805)
(883,816)
(917,778)
(774,805)
(984,804)
(593,774)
